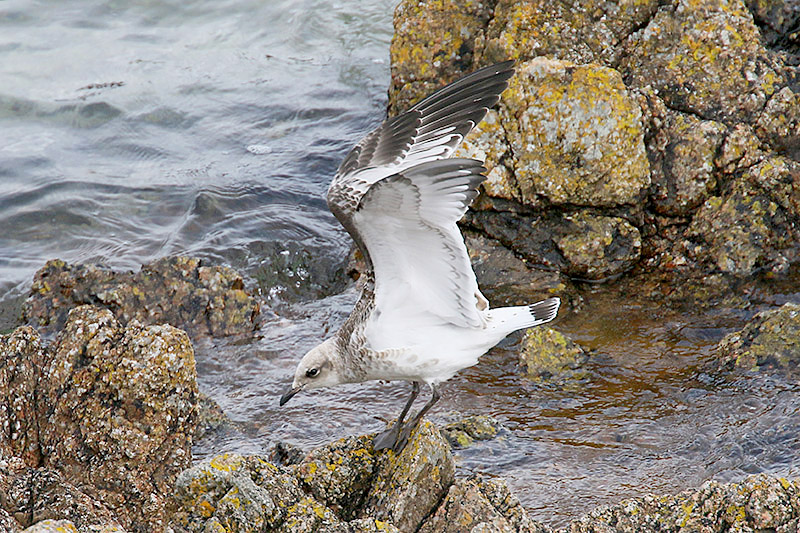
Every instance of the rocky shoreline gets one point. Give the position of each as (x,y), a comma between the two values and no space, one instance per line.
(652,144)
(99,424)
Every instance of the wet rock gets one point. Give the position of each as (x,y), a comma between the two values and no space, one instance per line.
(433,43)
(480,504)
(506,279)
(760,503)
(687,53)
(598,247)
(177,290)
(210,416)
(549,355)
(575,133)
(114,412)
(463,433)
(770,340)
(682,163)
(285,454)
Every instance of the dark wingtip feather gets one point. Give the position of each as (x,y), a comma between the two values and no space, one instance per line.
(545,310)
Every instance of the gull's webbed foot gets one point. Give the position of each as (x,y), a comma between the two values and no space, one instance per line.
(403,437)
(386,439)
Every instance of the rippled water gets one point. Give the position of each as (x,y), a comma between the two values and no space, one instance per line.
(134,130)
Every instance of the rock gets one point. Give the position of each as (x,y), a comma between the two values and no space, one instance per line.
(770,340)
(778,21)
(597,247)
(114,412)
(682,163)
(407,487)
(176,290)
(52,526)
(668,127)
(740,151)
(687,53)
(746,228)
(463,433)
(32,495)
(433,42)
(481,504)
(339,474)
(759,503)
(22,358)
(779,123)
(576,135)
(239,493)
(210,416)
(344,486)
(549,355)
(582,32)
(506,279)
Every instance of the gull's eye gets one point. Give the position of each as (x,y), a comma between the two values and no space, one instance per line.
(312,372)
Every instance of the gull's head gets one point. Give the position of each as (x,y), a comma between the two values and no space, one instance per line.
(316,369)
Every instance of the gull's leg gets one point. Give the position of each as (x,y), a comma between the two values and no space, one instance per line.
(402,439)
(388,438)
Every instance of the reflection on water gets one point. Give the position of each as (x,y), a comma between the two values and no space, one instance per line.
(134,130)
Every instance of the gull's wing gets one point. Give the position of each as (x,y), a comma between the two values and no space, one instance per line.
(429,131)
(407,221)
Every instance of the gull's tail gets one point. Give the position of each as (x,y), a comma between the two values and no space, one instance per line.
(510,319)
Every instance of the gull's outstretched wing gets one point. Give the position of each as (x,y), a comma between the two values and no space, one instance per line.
(407,221)
(429,131)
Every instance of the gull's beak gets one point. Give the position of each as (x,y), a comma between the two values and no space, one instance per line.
(289,393)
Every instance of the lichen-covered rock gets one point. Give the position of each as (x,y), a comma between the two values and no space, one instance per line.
(22,358)
(778,21)
(682,163)
(407,487)
(689,53)
(575,134)
(362,525)
(113,413)
(770,340)
(433,42)
(7,522)
(236,492)
(759,503)
(32,495)
(597,247)
(481,504)
(747,227)
(549,355)
(586,31)
(462,433)
(175,290)
(345,486)
(779,124)
(52,526)
(339,474)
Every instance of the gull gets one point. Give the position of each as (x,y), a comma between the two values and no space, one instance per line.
(420,317)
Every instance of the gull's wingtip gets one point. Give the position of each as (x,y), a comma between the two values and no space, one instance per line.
(546,310)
